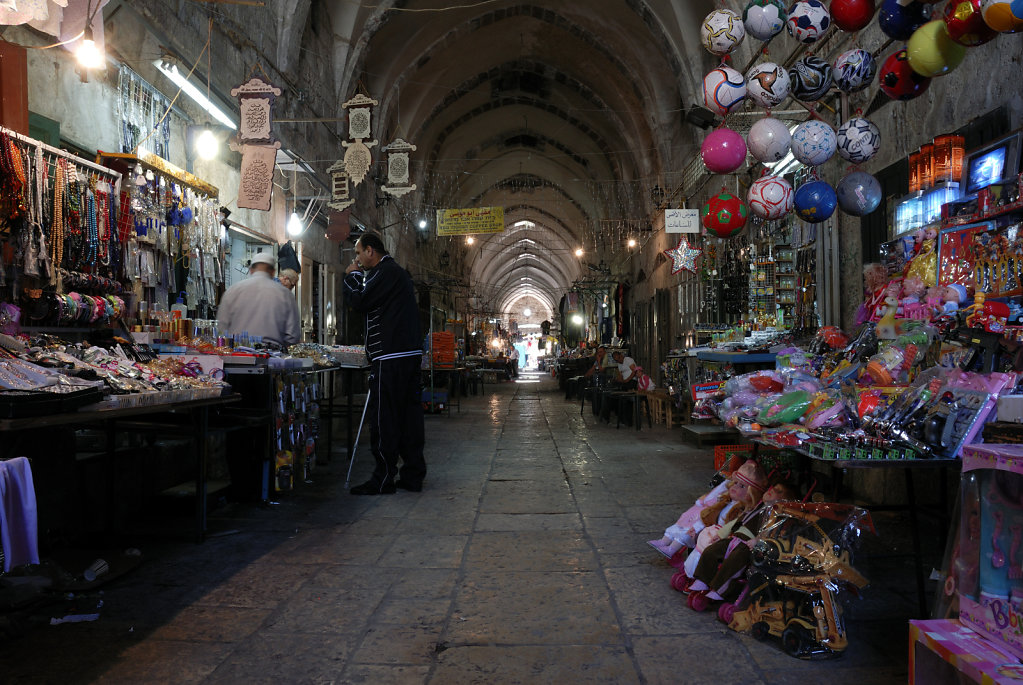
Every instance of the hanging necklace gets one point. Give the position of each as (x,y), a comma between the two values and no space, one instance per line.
(57,228)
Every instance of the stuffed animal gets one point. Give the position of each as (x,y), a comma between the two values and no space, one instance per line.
(724,503)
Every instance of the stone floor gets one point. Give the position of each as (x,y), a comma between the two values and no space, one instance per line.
(523,561)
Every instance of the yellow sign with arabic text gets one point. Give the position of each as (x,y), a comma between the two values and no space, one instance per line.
(470,220)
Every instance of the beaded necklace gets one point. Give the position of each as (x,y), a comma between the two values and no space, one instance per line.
(91,228)
(57,228)
(103,227)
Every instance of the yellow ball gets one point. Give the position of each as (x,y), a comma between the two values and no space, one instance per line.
(931,52)
(998,15)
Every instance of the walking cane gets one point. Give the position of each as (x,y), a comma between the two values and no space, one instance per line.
(355,446)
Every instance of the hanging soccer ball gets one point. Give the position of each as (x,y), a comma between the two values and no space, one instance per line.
(808,20)
(764,19)
(899,19)
(965,23)
(769,140)
(811,78)
(815,201)
(859,193)
(723,151)
(858,140)
(722,31)
(770,197)
(724,215)
(998,15)
(854,70)
(767,84)
(932,52)
(814,142)
(724,89)
(899,81)
(852,15)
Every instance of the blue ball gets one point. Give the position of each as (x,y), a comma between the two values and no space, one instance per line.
(815,202)
(900,20)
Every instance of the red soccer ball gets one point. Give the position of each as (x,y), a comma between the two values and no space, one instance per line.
(724,215)
(852,15)
(966,24)
(899,81)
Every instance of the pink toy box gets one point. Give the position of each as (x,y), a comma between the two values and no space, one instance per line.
(989,562)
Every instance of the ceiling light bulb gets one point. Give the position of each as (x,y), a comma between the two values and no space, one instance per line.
(527,311)
(579,252)
(577,320)
(295,226)
(207,145)
(422,223)
(88,54)
(632,242)
(470,240)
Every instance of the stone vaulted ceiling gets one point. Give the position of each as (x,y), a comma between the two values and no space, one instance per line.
(557,111)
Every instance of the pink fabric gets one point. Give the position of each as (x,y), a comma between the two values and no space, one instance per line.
(18,524)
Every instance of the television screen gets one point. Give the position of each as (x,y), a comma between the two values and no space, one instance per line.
(986,169)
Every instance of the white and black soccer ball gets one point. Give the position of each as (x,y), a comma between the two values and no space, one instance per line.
(767,84)
(859,140)
(811,78)
(854,70)
(814,142)
(808,20)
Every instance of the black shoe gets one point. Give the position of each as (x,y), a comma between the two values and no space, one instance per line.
(411,487)
(371,488)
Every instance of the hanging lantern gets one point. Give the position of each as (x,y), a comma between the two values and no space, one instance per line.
(398,167)
(256,101)
(357,155)
(340,187)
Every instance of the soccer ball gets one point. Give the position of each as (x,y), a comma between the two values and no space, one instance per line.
(724,215)
(998,15)
(815,201)
(899,81)
(723,151)
(811,79)
(724,89)
(814,142)
(768,140)
(767,84)
(722,32)
(770,197)
(854,70)
(858,140)
(859,193)
(852,15)
(808,20)
(900,20)
(764,19)
(966,24)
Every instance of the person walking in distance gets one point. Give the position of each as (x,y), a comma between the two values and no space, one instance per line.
(378,287)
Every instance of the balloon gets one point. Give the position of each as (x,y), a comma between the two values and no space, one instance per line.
(931,52)
(965,23)
(723,151)
(899,81)
(899,20)
(769,140)
(852,15)
(724,215)
(859,193)
(815,202)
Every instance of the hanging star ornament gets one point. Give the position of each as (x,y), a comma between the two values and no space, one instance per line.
(683,256)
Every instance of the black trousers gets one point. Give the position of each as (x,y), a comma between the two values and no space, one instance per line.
(396,420)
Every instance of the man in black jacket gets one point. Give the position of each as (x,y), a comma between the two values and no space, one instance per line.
(378,287)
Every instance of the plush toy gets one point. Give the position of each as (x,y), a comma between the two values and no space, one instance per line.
(724,503)
(874,279)
(925,265)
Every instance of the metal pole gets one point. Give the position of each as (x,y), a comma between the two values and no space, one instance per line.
(355,445)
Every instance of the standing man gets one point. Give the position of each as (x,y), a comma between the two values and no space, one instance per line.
(260,306)
(513,360)
(378,287)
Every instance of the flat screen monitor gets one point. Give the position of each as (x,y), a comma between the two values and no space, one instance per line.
(996,161)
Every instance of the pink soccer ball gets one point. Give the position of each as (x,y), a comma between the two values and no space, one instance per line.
(770,197)
(723,151)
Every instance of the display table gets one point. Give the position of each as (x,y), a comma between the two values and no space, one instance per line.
(944,651)
(736,358)
(198,411)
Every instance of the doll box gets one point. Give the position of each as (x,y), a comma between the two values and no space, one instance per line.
(989,562)
(943,651)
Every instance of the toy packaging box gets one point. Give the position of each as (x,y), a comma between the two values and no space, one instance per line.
(989,562)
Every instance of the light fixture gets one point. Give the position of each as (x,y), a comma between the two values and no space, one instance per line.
(422,223)
(171,72)
(579,252)
(295,226)
(469,240)
(88,55)
(495,343)
(527,224)
(527,311)
(577,320)
(206,144)
(632,242)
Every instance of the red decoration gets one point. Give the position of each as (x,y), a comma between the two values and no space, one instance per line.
(724,215)
(898,80)
(852,15)
(965,23)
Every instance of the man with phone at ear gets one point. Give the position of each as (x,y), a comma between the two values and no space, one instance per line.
(378,287)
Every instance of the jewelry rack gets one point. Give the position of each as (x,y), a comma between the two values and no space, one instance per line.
(78,161)
(150,161)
